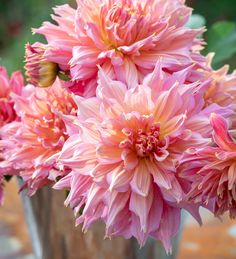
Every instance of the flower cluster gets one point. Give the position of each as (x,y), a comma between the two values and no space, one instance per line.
(125,113)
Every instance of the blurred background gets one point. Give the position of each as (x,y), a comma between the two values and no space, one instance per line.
(17,18)
(216,239)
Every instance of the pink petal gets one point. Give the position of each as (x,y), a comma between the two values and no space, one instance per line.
(141,206)
(160,178)
(141,181)
(119,179)
(232,176)
(108,154)
(117,203)
(169,226)
(221,135)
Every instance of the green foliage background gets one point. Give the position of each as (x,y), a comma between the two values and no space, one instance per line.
(220,19)
(17,17)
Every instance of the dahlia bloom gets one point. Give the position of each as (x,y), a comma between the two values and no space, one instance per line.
(8,86)
(223,85)
(127,36)
(39,71)
(124,148)
(213,170)
(26,144)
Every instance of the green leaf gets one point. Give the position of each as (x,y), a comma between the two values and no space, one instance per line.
(196,21)
(67,192)
(81,210)
(221,39)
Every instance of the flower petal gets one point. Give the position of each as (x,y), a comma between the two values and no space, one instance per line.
(141,181)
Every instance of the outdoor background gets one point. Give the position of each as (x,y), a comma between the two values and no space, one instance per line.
(216,240)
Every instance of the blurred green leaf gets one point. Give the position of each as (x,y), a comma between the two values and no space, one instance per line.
(26,14)
(214,10)
(221,39)
(196,21)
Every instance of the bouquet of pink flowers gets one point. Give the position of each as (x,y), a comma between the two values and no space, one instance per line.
(124,111)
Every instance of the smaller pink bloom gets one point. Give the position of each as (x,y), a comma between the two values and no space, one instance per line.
(39,134)
(222,89)
(212,170)
(8,86)
(39,70)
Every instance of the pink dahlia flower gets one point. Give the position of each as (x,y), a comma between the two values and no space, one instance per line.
(213,170)
(40,133)
(125,35)
(124,148)
(8,86)
(223,85)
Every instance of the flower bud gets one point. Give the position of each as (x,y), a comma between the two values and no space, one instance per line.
(39,71)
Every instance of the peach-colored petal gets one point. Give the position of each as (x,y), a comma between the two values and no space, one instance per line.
(232,176)
(141,181)
(141,206)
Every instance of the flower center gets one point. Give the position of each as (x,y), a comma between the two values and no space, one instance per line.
(144,143)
